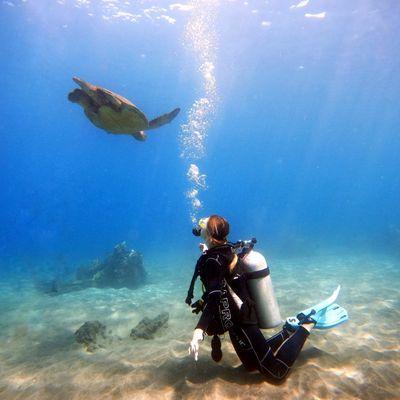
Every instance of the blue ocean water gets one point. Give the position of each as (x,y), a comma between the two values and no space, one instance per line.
(304,141)
(289,127)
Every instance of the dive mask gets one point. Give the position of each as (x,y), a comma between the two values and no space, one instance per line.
(201,227)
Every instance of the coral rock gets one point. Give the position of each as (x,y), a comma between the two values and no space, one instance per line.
(147,327)
(90,333)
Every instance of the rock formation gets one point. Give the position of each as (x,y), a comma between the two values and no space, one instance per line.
(147,327)
(122,268)
(91,334)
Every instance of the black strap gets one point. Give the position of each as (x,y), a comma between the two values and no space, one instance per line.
(191,287)
(262,273)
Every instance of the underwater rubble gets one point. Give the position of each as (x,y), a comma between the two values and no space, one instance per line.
(94,335)
(123,268)
(147,327)
(90,333)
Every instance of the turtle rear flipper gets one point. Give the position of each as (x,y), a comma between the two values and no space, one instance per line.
(163,119)
(141,136)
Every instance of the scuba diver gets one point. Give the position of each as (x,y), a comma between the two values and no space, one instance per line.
(229,305)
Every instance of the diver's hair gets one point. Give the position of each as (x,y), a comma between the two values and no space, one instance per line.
(218,228)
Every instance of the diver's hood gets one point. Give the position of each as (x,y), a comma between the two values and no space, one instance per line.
(201,227)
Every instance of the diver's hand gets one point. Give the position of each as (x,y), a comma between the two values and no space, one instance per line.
(203,247)
(197,306)
(198,336)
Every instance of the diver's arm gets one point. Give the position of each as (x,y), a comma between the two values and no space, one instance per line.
(209,310)
(189,296)
(213,274)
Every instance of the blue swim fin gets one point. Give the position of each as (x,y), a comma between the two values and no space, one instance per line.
(332,316)
(326,318)
(314,313)
(323,304)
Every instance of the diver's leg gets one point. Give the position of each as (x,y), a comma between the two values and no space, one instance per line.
(250,345)
(272,365)
(278,365)
(290,349)
(243,348)
(277,340)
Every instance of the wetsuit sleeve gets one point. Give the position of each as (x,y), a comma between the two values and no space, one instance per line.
(213,274)
(189,296)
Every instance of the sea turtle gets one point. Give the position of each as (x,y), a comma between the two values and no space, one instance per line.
(114,113)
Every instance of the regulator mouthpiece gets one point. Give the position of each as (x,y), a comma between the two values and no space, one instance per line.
(201,227)
(196,231)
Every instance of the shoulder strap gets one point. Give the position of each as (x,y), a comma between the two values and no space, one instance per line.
(192,282)
(233,263)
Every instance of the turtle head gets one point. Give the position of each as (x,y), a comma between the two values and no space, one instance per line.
(75,96)
(80,97)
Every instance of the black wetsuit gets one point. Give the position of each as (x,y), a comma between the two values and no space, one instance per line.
(272,357)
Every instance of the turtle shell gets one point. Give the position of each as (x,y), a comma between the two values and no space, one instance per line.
(126,120)
(116,114)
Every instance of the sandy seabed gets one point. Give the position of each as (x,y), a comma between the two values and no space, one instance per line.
(39,358)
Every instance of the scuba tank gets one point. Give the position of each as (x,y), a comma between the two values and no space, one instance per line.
(259,284)
(258,279)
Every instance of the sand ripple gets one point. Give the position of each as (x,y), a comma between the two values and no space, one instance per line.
(39,358)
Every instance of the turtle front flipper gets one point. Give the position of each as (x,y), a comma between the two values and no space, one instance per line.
(163,119)
(108,98)
(86,86)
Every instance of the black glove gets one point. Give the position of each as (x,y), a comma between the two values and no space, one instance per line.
(197,306)
(188,300)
